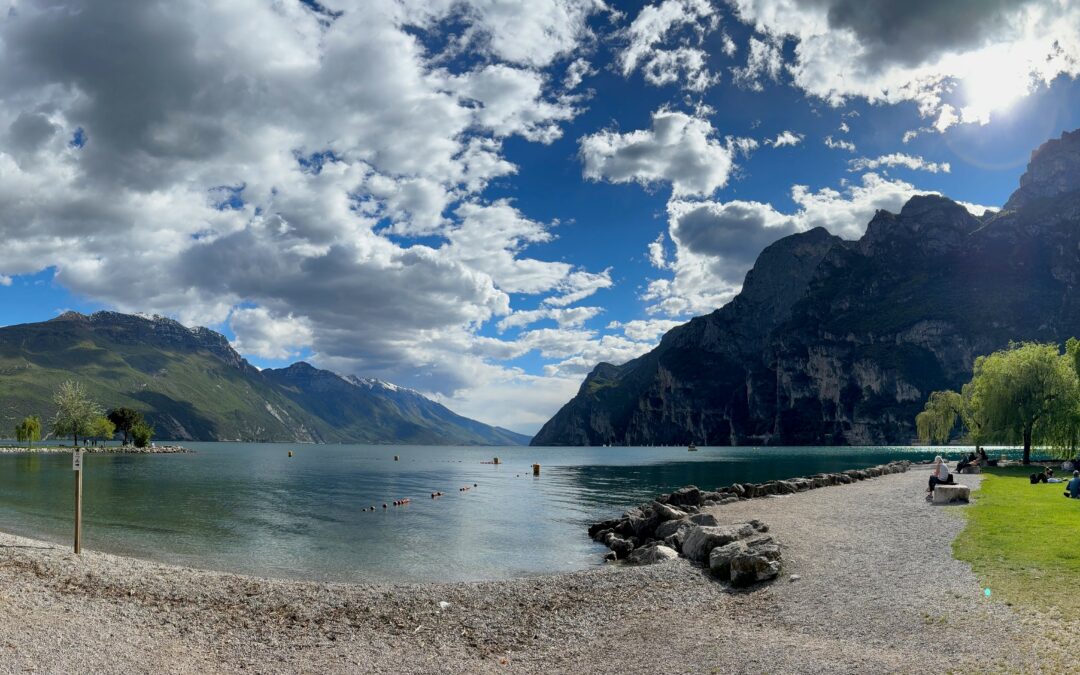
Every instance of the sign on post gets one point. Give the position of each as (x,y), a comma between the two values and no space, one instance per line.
(77,466)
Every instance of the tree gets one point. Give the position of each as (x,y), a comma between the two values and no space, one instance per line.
(141,433)
(102,429)
(75,411)
(125,420)
(1027,393)
(29,430)
(935,423)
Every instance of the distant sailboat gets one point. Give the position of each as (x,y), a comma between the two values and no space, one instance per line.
(692,447)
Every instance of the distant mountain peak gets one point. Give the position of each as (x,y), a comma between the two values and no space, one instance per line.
(1054,169)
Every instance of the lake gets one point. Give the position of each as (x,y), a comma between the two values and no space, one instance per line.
(250,508)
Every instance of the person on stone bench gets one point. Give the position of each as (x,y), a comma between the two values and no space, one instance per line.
(939,476)
(1073,488)
(972,460)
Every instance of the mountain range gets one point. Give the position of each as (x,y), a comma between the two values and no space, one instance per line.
(840,342)
(192,385)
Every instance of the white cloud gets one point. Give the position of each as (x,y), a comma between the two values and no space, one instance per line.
(678,149)
(898,159)
(654,25)
(262,334)
(978,54)
(644,330)
(785,138)
(274,166)
(764,61)
(839,144)
(569,317)
(5,280)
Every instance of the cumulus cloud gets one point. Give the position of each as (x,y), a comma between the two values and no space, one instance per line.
(679,149)
(898,159)
(570,317)
(644,330)
(839,144)
(271,337)
(716,243)
(785,138)
(647,46)
(274,166)
(764,61)
(974,56)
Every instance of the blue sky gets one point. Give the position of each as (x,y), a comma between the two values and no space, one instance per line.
(508,192)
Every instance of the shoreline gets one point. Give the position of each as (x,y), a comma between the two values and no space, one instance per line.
(863,552)
(97,450)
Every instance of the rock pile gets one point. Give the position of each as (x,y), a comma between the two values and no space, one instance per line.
(742,553)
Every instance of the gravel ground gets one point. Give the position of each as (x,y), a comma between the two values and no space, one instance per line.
(879,592)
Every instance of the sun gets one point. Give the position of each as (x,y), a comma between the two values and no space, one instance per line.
(995,80)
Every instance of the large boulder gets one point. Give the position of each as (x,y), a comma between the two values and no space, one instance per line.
(700,540)
(685,496)
(754,566)
(721,556)
(670,527)
(651,555)
(664,512)
(621,547)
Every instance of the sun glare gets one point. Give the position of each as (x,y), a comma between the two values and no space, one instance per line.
(995,81)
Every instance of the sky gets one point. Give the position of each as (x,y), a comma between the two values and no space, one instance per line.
(482,199)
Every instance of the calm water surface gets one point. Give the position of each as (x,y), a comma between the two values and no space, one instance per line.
(250,508)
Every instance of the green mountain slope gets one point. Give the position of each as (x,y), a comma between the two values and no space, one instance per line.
(192,385)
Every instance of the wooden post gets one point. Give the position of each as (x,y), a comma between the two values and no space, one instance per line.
(76,464)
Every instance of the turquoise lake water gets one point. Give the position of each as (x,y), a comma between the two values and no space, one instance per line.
(250,508)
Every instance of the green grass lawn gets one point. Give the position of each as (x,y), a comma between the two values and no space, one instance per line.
(1023,541)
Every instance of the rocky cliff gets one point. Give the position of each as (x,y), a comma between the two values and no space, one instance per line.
(839,342)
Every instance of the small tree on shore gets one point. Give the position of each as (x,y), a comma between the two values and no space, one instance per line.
(75,411)
(29,430)
(102,429)
(125,420)
(141,434)
(1027,393)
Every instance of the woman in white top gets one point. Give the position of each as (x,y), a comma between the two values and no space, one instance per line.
(940,474)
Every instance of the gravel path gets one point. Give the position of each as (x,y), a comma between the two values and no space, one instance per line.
(879,592)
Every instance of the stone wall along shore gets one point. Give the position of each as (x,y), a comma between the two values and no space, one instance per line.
(101,449)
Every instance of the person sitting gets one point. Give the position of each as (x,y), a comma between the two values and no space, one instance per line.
(984,460)
(1073,489)
(939,476)
(972,460)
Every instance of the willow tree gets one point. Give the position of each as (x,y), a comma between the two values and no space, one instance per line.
(29,430)
(937,420)
(1028,393)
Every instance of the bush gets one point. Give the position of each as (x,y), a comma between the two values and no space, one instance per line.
(141,434)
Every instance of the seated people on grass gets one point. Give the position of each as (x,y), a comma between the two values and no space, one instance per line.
(972,460)
(940,475)
(1074,486)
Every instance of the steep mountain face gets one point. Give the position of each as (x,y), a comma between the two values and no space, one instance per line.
(192,385)
(370,411)
(839,342)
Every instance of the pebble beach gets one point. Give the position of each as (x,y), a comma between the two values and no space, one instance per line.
(877,591)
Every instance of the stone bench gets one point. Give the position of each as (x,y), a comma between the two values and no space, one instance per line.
(947,494)
(974,468)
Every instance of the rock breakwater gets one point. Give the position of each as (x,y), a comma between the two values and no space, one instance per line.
(674,524)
